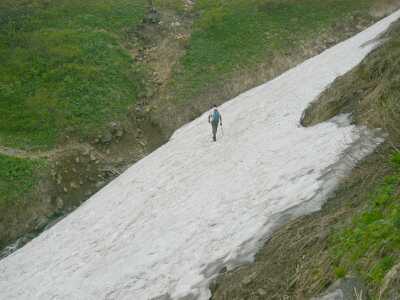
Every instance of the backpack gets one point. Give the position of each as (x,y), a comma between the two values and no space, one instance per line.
(215,117)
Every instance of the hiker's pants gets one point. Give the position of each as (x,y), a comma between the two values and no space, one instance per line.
(214,130)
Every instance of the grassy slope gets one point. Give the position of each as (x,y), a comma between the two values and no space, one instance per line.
(63,68)
(370,246)
(17,177)
(229,36)
(64,71)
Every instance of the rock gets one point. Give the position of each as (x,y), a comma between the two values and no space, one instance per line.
(65,189)
(77,160)
(349,288)
(100,184)
(390,289)
(119,133)
(248,279)
(106,138)
(153,17)
(92,156)
(175,24)
(73,185)
(59,202)
(86,152)
(261,292)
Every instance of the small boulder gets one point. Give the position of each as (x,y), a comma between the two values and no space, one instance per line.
(106,138)
(261,292)
(348,288)
(59,202)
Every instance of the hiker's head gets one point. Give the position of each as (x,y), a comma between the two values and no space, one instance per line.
(215,107)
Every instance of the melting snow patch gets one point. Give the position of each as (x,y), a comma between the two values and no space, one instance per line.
(170,223)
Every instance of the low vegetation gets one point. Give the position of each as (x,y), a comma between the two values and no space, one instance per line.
(64,69)
(18,177)
(232,36)
(370,246)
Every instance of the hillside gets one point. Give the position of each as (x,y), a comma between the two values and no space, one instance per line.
(88,88)
(168,225)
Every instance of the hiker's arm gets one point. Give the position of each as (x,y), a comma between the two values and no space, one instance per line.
(209,118)
(220,119)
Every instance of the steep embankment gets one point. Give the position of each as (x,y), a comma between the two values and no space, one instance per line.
(357,232)
(88,88)
(171,222)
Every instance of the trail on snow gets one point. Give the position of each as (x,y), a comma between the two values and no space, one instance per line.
(166,226)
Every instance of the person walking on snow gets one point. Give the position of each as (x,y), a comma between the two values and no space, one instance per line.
(214,118)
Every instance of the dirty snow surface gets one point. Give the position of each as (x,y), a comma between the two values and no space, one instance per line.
(170,223)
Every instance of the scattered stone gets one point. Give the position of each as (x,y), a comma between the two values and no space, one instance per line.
(348,288)
(261,292)
(92,156)
(153,17)
(59,179)
(100,184)
(106,138)
(77,160)
(119,133)
(88,193)
(248,279)
(86,152)
(390,289)
(59,202)
(65,189)
(175,24)
(73,185)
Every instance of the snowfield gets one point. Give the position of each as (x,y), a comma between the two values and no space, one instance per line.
(164,228)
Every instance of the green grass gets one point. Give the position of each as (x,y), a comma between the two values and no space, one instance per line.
(371,245)
(18,177)
(233,35)
(63,67)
